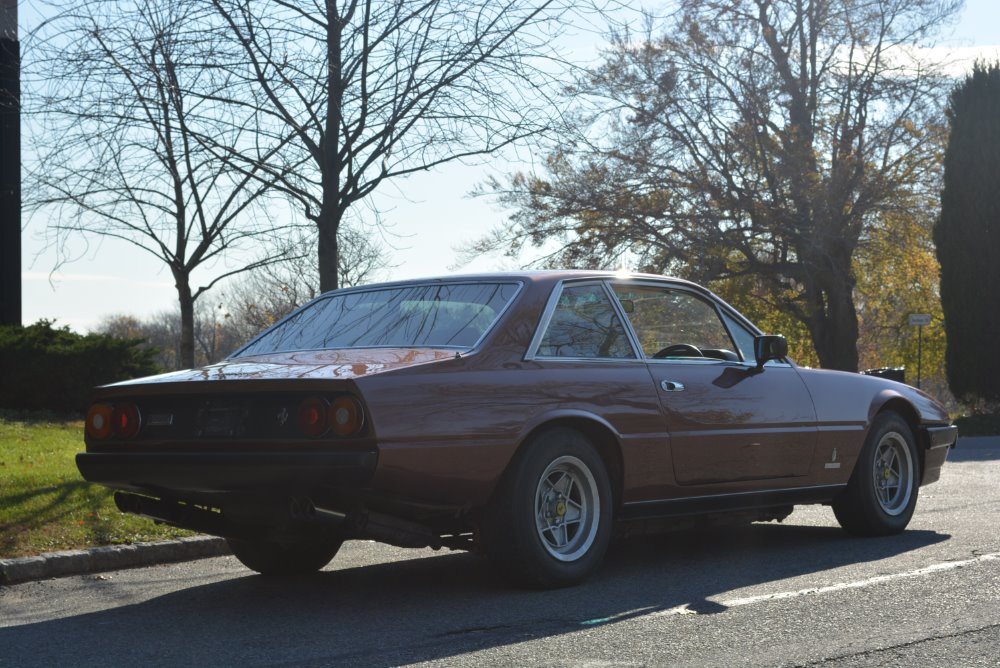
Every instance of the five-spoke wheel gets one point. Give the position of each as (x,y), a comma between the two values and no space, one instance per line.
(567,508)
(882,492)
(892,473)
(550,522)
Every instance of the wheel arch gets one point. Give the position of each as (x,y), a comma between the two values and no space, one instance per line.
(904,409)
(601,435)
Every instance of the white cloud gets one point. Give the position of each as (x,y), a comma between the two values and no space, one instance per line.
(954,61)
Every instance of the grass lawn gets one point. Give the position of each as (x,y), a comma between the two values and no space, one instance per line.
(46,506)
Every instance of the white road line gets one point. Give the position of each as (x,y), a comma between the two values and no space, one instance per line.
(812,591)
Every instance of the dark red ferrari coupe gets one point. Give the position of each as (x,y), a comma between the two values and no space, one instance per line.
(526,416)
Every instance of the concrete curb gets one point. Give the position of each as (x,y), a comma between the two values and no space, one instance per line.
(111,558)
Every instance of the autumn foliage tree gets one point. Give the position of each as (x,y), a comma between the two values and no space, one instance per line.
(967,236)
(898,274)
(747,140)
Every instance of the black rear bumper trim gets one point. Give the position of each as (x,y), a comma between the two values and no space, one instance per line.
(185,472)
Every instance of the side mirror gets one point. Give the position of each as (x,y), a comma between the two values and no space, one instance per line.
(769,348)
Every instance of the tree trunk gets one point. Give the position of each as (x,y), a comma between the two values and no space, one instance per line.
(186,302)
(328,252)
(833,322)
(331,211)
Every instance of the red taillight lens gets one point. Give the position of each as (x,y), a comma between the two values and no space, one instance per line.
(346,416)
(99,423)
(126,420)
(312,417)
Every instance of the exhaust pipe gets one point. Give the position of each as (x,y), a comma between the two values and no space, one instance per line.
(180,515)
(306,516)
(363,523)
(395,531)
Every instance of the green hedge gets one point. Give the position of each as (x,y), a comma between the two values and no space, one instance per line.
(47,368)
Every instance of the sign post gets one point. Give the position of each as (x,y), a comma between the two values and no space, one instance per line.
(919,320)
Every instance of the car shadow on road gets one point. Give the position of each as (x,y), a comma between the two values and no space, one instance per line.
(435,607)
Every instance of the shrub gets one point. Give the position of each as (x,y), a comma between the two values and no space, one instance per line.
(55,369)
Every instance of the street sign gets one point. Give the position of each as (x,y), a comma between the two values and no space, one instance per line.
(920,320)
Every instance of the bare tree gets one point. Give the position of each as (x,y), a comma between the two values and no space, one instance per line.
(262,297)
(353,93)
(124,101)
(159,331)
(758,139)
(216,334)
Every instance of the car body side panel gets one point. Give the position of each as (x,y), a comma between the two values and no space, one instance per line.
(846,403)
(730,422)
(446,435)
(843,402)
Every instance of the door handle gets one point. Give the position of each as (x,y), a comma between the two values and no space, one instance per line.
(671,386)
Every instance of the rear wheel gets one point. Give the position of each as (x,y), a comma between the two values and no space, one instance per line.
(550,523)
(882,492)
(272,558)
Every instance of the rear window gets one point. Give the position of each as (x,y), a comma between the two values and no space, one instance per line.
(449,315)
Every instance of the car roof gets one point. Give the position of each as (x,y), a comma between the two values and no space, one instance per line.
(539,276)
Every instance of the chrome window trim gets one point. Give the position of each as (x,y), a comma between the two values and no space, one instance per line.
(546,318)
(720,306)
(630,332)
(711,299)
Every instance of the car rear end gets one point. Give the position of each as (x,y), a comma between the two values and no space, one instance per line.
(232,458)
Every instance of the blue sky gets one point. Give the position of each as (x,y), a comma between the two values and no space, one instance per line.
(429,215)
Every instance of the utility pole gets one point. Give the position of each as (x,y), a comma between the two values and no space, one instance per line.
(10,166)
(920,320)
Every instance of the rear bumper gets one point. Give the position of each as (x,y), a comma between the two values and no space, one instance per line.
(186,473)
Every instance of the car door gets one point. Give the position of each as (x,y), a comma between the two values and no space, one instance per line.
(728,420)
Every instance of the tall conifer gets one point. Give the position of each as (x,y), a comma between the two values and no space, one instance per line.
(967,236)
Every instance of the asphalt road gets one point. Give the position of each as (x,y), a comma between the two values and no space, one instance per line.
(798,593)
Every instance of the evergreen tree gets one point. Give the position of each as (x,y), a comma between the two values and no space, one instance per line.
(968,236)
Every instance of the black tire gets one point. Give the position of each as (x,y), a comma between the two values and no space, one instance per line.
(270,558)
(882,492)
(550,522)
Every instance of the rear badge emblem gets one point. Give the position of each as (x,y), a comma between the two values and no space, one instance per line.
(161,420)
(282,416)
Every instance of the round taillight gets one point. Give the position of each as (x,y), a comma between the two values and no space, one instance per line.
(99,424)
(312,417)
(126,420)
(346,416)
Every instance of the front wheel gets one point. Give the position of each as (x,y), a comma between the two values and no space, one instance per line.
(272,558)
(882,492)
(550,523)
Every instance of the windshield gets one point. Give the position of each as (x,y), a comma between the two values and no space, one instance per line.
(451,315)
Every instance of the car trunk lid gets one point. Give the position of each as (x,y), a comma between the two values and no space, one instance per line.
(304,365)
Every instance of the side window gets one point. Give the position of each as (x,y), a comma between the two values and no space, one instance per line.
(675,324)
(742,337)
(584,325)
